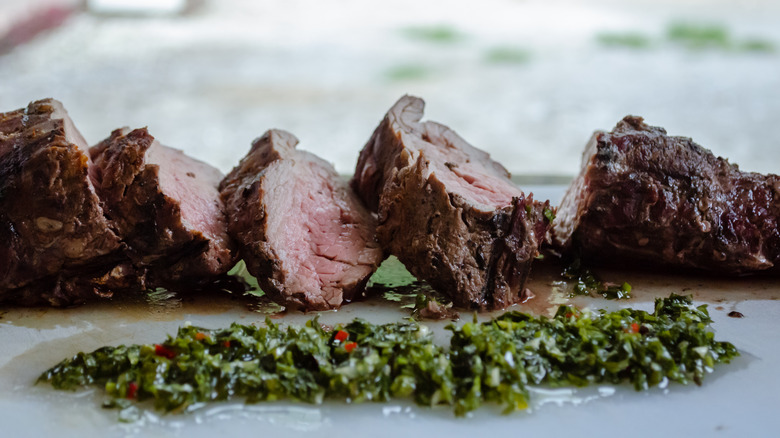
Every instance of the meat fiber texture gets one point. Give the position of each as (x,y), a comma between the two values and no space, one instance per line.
(301,230)
(72,229)
(166,207)
(646,198)
(52,225)
(448,211)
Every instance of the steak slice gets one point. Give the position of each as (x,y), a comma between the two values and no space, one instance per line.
(165,205)
(301,230)
(448,211)
(644,197)
(51,222)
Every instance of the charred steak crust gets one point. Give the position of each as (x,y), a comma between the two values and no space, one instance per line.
(51,220)
(300,229)
(644,197)
(76,223)
(448,211)
(71,288)
(145,197)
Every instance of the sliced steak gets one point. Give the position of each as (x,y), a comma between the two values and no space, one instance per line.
(644,197)
(301,230)
(165,205)
(71,287)
(51,222)
(448,211)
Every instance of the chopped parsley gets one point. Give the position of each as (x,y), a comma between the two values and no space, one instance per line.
(494,361)
(549,214)
(586,283)
(251,286)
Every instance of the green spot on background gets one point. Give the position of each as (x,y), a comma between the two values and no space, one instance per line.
(392,273)
(508,55)
(407,73)
(630,40)
(699,36)
(441,34)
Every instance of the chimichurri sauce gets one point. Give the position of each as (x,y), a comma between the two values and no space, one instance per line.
(493,361)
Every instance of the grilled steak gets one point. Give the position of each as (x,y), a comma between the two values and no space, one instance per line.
(72,228)
(165,206)
(51,223)
(644,197)
(300,229)
(448,211)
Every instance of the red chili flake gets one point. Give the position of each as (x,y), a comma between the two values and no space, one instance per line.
(341,335)
(226,343)
(162,350)
(635,327)
(349,346)
(200,336)
(132,389)
(570,314)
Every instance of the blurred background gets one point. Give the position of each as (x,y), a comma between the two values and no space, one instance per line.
(526,80)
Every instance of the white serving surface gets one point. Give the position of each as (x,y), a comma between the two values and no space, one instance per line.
(738,399)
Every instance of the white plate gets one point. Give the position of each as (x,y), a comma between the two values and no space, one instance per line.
(738,399)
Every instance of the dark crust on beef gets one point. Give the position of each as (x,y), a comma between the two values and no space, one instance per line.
(479,258)
(69,289)
(160,244)
(646,198)
(51,222)
(247,223)
(246,192)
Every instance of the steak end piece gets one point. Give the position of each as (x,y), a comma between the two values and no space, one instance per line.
(646,198)
(166,207)
(52,225)
(74,288)
(301,230)
(448,211)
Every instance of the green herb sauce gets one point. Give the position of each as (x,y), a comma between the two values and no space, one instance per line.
(494,361)
(587,283)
